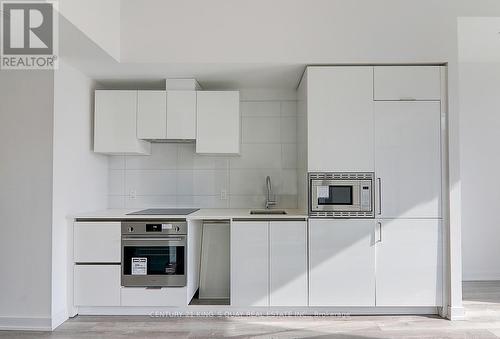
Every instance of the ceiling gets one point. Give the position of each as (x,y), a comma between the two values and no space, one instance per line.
(236,44)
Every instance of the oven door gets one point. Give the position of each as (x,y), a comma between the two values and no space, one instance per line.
(335,195)
(153,261)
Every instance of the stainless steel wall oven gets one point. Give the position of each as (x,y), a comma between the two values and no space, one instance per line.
(154,253)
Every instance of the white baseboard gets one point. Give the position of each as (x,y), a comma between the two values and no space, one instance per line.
(26,324)
(456,313)
(58,319)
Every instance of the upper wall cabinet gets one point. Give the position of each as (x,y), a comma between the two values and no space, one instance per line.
(408,159)
(218,122)
(340,118)
(407,83)
(151,115)
(167,115)
(115,123)
(181,115)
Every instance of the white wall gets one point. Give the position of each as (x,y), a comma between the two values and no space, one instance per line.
(480,162)
(80,175)
(98,20)
(174,175)
(26,120)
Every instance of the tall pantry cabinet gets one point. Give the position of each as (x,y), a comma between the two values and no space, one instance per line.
(386,120)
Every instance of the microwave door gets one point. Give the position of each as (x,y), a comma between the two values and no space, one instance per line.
(341,195)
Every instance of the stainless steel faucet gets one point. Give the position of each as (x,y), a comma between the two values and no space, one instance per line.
(269,202)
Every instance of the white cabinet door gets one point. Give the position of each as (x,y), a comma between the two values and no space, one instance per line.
(181,115)
(250,263)
(151,115)
(218,122)
(115,123)
(340,118)
(288,263)
(341,263)
(408,159)
(97,285)
(97,242)
(161,297)
(407,83)
(409,263)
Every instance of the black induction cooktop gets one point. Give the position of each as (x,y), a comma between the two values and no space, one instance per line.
(165,211)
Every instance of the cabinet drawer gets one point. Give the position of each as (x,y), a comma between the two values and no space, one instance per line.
(140,296)
(97,242)
(97,285)
(407,83)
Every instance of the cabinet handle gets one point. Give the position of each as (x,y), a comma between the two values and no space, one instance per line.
(379,232)
(379,180)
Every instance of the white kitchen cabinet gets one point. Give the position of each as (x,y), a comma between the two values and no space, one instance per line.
(151,115)
(288,263)
(97,285)
(218,122)
(407,83)
(340,118)
(408,159)
(159,297)
(409,263)
(115,123)
(250,263)
(97,242)
(181,115)
(341,262)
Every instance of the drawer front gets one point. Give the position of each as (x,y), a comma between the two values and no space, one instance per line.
(140,296)
(97,242)
(407,83)
(97,285)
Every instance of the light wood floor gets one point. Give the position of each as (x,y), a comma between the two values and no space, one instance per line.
(481,299)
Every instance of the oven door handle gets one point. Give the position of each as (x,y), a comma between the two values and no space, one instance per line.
(151,239)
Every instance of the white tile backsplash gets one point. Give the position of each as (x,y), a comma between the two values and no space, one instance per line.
(260,108)
(257,156)
(288,130)
(175,176)
(262,130)
(289,156)
(163,156)
(288,108)
(151,182)
(116,182)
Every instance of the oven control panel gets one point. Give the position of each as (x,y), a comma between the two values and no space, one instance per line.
(154,227)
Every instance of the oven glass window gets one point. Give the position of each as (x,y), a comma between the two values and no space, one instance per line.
(164,260)
(337,195)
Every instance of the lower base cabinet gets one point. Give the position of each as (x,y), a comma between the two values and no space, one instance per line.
(288,263)
(269,263)
(97,285)
(161,297)
(389,262)
(249,263)
(341,262)
(409,263)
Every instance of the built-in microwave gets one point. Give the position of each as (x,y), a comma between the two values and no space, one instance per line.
(341,194)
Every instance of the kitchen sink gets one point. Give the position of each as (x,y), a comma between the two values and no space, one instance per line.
(263,212)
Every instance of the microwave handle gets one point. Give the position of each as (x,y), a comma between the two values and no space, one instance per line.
(379,182)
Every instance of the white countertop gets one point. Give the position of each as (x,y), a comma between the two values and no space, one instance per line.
(201,214)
